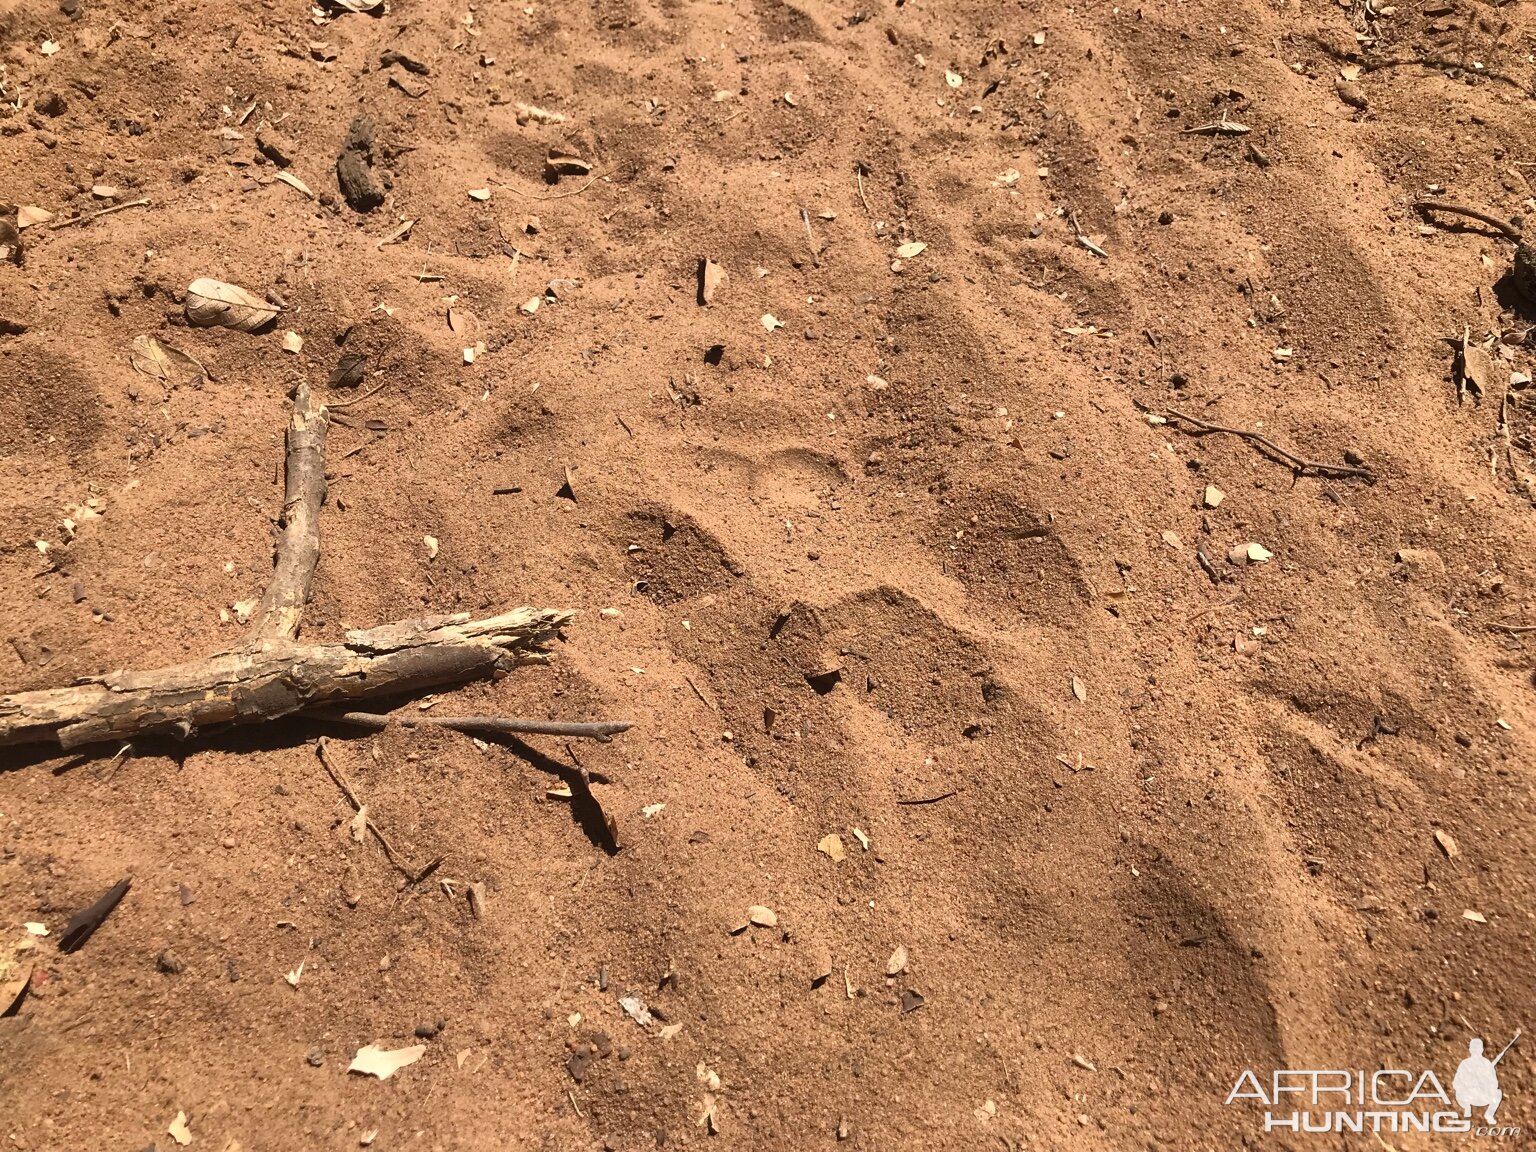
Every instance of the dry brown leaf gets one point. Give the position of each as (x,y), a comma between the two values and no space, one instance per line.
(408,84)
(763,916)
(1476,367)
(1080,690)
(15,973)
(461,321)
(1447,844)
(398,234)
(636,1009)
(711,276)
(215,304)
(292,342)
(1475,917)
(375,1061)
(163,362)
(710,1120)
(832,845)
(558,163)
(914,248)
(293,181)
(481,194)
(179,1131)
(770,321)
(356,5)
(898,961)
(1214,496)
(30,214)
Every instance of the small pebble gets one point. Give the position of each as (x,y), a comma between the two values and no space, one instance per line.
(170,963)
(316,1057)
(228,842)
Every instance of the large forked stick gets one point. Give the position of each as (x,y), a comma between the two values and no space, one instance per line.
(280,679)
(273,676)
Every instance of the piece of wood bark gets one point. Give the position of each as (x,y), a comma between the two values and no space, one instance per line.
(280,678)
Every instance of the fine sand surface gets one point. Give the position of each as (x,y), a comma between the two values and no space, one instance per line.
(1183,814)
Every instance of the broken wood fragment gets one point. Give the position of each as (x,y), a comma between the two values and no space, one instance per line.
(298,551)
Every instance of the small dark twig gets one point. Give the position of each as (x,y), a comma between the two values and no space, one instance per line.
(1300,465)
(332,405)
(929,799)
(84,922)
(600,730)
(1504,227)
(102,212)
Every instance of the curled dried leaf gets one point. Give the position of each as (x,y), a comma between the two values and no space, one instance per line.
(375,1061)
(215,304)
(163,362)
(558,163)
(294,182)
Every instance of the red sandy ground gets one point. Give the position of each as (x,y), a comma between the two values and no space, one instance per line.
(1204,864)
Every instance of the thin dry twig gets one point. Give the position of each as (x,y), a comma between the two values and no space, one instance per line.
(1300,465)
(858,175)
(1504,227)
(143,203)
(374,391)
(596,176)
(600,730)
(412,875)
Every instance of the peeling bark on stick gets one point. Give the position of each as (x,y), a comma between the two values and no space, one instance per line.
(280,678)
